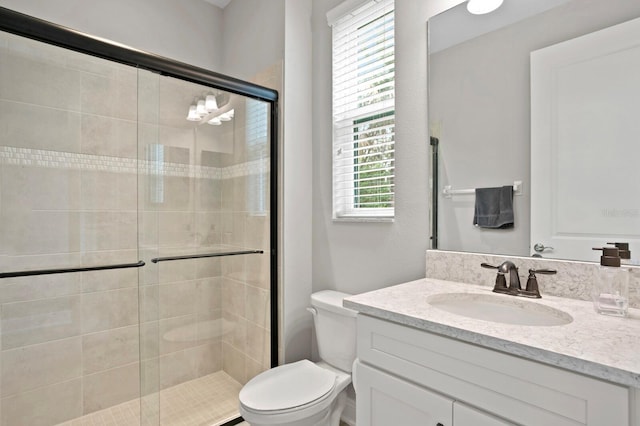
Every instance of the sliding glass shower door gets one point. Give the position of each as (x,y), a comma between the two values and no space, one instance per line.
(204,211)
(137,239)
(68,234)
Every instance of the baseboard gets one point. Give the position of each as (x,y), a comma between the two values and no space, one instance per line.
(349,413)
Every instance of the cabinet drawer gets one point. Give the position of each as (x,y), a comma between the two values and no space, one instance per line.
(522,391)
(384,399)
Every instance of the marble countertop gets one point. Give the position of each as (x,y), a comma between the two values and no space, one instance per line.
(597,345)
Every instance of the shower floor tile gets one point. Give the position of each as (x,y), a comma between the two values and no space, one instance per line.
(208,401)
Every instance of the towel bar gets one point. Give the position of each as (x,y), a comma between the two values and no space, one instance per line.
(448,192)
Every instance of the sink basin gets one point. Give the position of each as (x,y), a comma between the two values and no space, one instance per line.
(498,308)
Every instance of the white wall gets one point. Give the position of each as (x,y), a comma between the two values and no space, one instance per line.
(359,257)
(189,31)
(297,198)
(253,36)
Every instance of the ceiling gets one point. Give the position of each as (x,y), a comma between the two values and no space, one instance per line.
(220,3)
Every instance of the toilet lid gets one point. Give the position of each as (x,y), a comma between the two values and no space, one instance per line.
(287,386)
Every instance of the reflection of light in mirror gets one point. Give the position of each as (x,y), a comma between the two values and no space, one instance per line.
(480,7)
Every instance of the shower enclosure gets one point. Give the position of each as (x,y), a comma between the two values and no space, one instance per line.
(137,234)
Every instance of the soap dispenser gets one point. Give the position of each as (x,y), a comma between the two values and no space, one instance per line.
(625,253)
(611,284)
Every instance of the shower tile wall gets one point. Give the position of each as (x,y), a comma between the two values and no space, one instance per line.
(79,186)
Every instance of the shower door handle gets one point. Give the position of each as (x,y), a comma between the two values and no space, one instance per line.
(68,270)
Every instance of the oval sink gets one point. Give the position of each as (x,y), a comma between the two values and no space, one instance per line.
(502,309)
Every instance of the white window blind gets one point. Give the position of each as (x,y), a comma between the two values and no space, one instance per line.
(364,111)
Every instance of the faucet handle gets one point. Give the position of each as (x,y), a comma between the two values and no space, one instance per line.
(544,271)
(532,289)
(486,265)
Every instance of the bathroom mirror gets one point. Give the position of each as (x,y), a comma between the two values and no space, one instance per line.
(480,112)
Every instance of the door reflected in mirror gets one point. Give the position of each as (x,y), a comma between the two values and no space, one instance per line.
(480,110)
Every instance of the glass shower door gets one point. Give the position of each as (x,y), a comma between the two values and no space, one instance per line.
(69,256)
(136,235)
(205,229)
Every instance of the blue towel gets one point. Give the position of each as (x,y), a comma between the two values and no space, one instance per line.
(494,208)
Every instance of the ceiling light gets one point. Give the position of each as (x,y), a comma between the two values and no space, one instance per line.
(210,103)
(215,121)
(193,114)
(480,7)
(201,109)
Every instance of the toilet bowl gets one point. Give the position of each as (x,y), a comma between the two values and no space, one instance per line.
(305,393)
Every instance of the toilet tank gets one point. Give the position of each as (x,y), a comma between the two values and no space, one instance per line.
(335,328)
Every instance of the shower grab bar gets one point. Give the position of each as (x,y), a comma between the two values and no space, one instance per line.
(447,191)
(200,256)
(67,270)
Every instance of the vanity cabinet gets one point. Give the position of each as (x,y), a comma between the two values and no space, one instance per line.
(408,376)
(390,400)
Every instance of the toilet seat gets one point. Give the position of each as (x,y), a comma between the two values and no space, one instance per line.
(287,388)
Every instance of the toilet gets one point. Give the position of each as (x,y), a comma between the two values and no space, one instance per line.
(305,393)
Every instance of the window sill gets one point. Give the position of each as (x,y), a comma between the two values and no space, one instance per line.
(363,219)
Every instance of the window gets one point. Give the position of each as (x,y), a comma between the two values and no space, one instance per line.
(363,109)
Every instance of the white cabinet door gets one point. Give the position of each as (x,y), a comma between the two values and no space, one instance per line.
(385,400)
(463,415)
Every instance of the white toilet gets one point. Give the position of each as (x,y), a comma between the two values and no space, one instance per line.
(304,393)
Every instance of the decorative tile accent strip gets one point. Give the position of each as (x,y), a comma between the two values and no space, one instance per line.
(573,280)
(75,161)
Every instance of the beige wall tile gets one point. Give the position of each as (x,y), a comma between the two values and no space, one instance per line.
(209,267)
(235,331)
(209,193)
(177,299)
(149,303)
(45,406)
(208,358)
(39,287)
(40,232)
(21,80)
(258,343)
(211,327)
(110,97)
(38,321)
(234,362)
(33,366)
(108,136)
(252,369)
(208,295)
(27,188)
(105,310)
(258,306)
(149,340)
(233,295)
(182,270)
(150,380)
(258,273)
(178,333)
(110,387)
(177,367)
(109,191)
(176,229)
(109,279)
(109,349)
(257,231)
(109,230)
(234,269)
